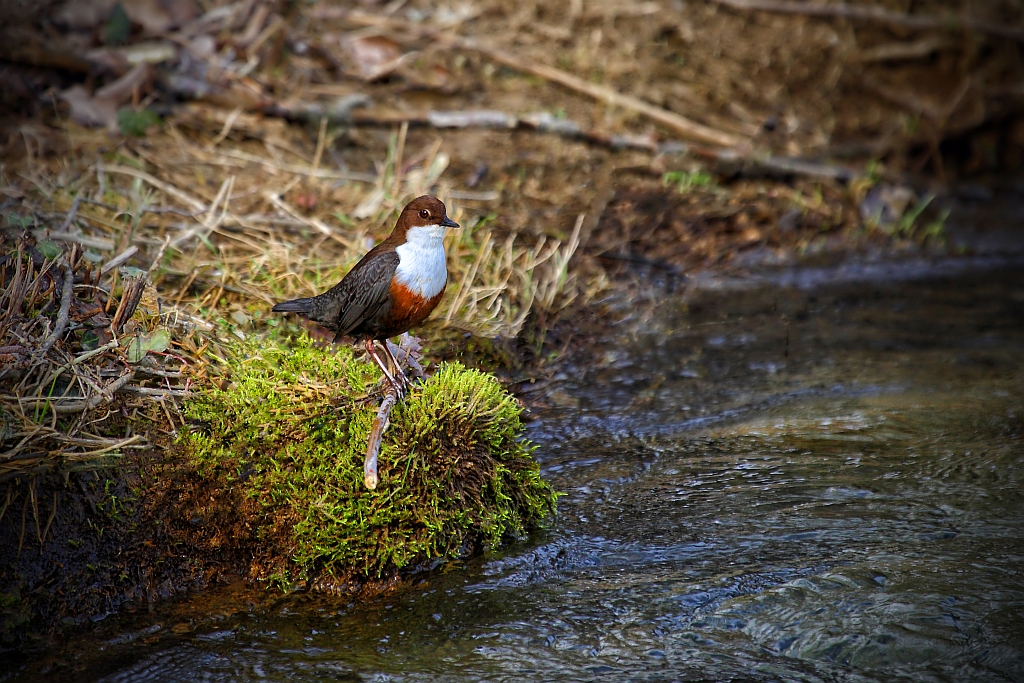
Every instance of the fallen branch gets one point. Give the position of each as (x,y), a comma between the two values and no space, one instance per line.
(875,14)
(747,162)
(76,405)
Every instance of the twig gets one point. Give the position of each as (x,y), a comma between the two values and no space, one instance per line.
(158,184)
(64,313)
(311,222)
(775,166)
(119,259)
(229,123)
(101,451)
(71,215)
(212,221)
(161,393)
(159,373)
(904,50)
(875,14)
(377,435)
(3,508)
(408,352)
(321,139)
(480,118)
(938,113)
(286,167)
(98,243)
(108,392)
(53,513)
(79,359)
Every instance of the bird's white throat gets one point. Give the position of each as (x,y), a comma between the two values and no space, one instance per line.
(421,264)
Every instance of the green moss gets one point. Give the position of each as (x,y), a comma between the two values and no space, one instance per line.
(291,427)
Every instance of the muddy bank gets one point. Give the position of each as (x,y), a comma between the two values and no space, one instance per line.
(264,483)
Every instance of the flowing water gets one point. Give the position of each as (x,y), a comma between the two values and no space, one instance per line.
(801,481)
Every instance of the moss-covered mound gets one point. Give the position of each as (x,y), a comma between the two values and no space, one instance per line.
(289,429)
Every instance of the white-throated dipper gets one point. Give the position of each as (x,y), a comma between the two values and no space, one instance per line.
(391,290)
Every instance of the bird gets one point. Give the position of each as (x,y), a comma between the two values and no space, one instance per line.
(392,289)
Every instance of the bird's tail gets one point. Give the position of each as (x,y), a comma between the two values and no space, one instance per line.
(304,306)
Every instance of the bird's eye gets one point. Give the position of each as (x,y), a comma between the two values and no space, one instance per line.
(424,213)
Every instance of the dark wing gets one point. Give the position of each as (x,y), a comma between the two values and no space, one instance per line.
(360,295)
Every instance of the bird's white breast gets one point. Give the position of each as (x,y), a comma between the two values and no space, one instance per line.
(421,264)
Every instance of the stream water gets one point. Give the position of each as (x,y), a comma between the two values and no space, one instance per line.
(807,482)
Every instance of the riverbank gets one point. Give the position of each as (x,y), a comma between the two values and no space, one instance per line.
(249,157)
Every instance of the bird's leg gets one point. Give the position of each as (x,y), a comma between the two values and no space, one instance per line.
(399,373)
(372,350)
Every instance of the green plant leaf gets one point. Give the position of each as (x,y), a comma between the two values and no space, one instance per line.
(118,27)
(141,345)
(50,249)
(136,123)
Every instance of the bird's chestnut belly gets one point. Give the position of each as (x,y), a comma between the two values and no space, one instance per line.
(407,310)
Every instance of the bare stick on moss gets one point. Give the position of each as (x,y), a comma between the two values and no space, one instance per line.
(380,423)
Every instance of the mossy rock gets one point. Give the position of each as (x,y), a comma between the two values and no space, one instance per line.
(290,430)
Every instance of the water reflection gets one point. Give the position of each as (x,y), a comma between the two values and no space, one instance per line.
(770,485)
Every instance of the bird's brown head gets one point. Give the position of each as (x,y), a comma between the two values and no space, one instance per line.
(425,211)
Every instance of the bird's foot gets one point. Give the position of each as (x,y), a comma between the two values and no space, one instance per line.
(400,389)
(401,383)
(408,354)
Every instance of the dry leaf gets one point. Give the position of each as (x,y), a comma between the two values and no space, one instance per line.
(159,16)
(376,56)
(84,14)
(100,109)
(89,111)
(369,206)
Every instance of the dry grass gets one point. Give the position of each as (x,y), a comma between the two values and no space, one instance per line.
(219,230)
(74,334)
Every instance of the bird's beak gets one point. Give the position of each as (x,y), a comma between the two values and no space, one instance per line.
(449,223)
